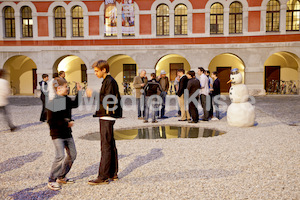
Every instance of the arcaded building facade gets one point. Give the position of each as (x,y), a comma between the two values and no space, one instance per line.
(259,37)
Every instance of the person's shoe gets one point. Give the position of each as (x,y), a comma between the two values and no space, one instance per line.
(140,117)
(114,178)
(214,119)
(13,129)
(65,181)
(164,117)
(98,182)
(155,121)
(204,120)
(54,186)
(145,121)
(182,120)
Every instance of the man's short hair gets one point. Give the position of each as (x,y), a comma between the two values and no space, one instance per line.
(101,64)
(201,69)
(44,76)
(191,73)
(181,70)
(2,73)
(153,75)
(61,72)
(55,75)
(61,81)
(215,73)
(207,71)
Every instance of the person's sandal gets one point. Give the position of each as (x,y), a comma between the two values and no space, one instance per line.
(65,181)
(115,178)
(54,186)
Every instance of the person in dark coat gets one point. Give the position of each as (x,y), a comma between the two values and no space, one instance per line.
(193,87)
(44,93)
(109,110)
(185,115)
(216,91)
(151,89)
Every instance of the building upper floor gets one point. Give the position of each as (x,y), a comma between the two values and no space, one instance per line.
(168,21)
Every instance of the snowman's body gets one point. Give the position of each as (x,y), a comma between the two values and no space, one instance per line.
(240,112)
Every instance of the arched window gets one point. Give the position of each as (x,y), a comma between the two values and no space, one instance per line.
(273,16)
(236,17)
(293,15)
(180,20)
(162,20)
(27,21)
(60,21)
(9,15)
(77,21)
(216,18)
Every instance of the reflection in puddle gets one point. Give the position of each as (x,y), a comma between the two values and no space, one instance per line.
(158,132)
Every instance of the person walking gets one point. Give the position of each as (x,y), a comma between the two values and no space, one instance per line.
(193,87)
(185,115)
(44,95)
(108,113)
(151,89)
(204,92)
(163,80)
(4,93)
(139,83)
(216,91)
(59,118)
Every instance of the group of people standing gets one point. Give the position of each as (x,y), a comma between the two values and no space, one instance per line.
(153,93)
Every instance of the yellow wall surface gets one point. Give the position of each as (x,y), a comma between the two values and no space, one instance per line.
(19,70)
(227,60)
(72,67)
(116,68)
(164,63)
(288,65)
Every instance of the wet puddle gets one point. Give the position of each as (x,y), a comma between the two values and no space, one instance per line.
(158,132)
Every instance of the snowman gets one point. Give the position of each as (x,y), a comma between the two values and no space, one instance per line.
(240,112)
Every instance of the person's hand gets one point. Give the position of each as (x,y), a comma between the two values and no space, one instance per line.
(143,84)
(211,89)
(78,86)
(89,92)
(70,124)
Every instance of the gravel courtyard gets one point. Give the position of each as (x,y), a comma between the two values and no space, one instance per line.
(260,162)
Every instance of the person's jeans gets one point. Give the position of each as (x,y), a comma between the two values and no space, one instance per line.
(62,165)
(155,106)
(163,105)
(141,108)
(109,155)
(3,109)
(217,107)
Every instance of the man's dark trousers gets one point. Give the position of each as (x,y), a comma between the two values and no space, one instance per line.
(109,156)
(193,109)
(203,100)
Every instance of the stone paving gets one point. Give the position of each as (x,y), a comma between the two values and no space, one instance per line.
(260,162)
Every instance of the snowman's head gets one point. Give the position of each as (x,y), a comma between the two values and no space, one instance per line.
(236,77)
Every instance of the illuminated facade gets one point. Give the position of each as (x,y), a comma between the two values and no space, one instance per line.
(260,37)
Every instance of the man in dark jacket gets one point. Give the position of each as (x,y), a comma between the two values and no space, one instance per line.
(163,80)
(193,86)
(185,115)
(44,93)
(60,123)
(151,89)
(109,109)
(216,91)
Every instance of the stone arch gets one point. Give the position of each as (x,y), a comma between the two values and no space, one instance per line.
(21,71)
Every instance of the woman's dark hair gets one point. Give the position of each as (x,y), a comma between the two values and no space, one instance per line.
(101,64)
(2,73)
(191,73)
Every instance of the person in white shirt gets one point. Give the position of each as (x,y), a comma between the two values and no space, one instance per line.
(4,93)
(204,92)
